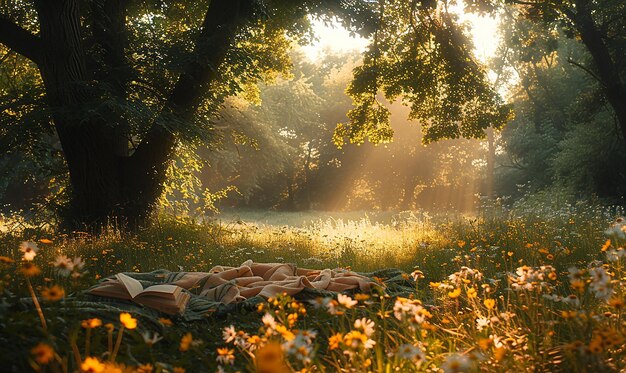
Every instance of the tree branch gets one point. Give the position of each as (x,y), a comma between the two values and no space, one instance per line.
(585,69)
(20,40)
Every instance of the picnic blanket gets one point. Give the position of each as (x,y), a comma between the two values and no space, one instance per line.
(391,281)
(237,284)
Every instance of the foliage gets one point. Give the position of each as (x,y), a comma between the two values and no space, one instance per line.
(420,54)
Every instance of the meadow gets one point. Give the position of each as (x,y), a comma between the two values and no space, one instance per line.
(536,287)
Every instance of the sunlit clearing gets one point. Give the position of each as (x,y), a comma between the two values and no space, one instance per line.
(333,37)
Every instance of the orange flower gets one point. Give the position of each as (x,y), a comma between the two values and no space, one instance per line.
(606,245)
(471,293)
(92,365)
(455,293)
(269,359)
(334,340)
(91,323)
(53,294)
(490,303)
(43,353)
(28,269)
(185,342)
(45,241)
(128,321)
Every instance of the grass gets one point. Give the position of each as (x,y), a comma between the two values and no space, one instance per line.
(494,292)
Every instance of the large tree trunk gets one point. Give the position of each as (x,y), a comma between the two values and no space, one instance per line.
(86,141)
(106,181)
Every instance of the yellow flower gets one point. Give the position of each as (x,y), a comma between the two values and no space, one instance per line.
(334,341)
(269,359)
(53,294)
(225,355)
(435,285)
(606,245)
(461,243)
(128,321)
(91,323)
(185,342)
(45,241)
(490,303)
(454,293)
(43,353)
(578,285)
(286,333)
(92,365)
(471,293)
(28,269)
(552,276)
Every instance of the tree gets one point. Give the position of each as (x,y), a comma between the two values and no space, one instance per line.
(125,82)
(600,26)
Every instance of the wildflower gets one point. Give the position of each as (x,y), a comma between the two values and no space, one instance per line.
(355,339)
(346,301)
(91,323)
(43,353)
(53,294)
(614,255)
(269,359)
(29,269)
(334,341)
(361,297)
(128,321)
(366,325)
(78,263)
(456,363)
(606,245)
(92,365)
(417,274)
(229,334)
(320,302)
(64,265)
(300,347)
(150,338)
(29,249)
(617,229)
(481,323)
(454,293)
(410,352)
(225,356)
(490,303)
(185,342)
(471,293)
(45,241)
(284,332)
(600,281)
